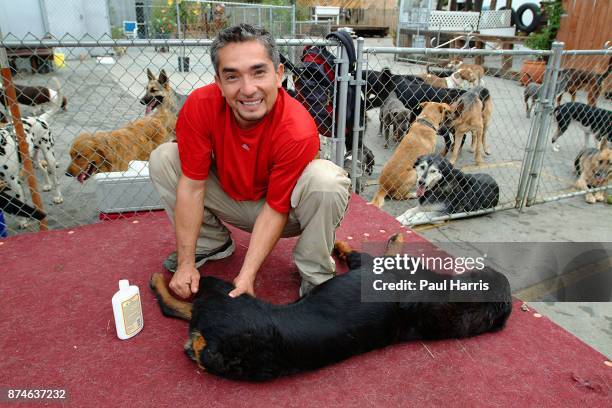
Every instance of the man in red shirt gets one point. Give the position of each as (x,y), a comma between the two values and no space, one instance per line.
(245,155)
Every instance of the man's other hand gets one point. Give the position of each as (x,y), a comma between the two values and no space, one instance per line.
(242,285)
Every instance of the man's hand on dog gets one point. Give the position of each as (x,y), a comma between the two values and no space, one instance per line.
(185,281)
(243,284)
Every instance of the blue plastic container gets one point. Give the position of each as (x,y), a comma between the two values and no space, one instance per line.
(3,231)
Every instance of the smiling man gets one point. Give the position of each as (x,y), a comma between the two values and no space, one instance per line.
(245,155)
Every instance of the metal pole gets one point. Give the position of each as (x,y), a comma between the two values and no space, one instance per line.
(549,102)
(182,65)
(22,144)
(178,19)
(357,128)
(293,21)
(45,16)
(398,28)
(343,79)
(534,134)
(528,158)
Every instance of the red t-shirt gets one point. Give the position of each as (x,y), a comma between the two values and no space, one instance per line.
(263,161)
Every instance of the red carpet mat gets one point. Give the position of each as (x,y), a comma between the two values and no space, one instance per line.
(58,333)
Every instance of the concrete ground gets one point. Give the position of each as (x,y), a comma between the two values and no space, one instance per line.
(106,96)
(569,220)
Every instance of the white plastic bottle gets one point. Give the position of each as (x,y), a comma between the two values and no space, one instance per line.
(127,310)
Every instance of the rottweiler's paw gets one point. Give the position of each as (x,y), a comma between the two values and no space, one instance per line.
(342,249)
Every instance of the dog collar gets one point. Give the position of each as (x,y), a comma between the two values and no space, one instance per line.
(427,123)
(453,80)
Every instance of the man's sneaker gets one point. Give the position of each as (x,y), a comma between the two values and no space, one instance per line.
(171,262)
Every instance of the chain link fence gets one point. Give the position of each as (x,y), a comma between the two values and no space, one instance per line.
(508,116)
(166,19)
(574,157)
(82,95)
(90,123)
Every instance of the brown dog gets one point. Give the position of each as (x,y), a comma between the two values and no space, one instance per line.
(398,176)
(477,70)
(574,80)
(594,169)
(112,151)
(461,78)
(470,113)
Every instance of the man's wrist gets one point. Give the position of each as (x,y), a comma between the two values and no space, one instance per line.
(247,275)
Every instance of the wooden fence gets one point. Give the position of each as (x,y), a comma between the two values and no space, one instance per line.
(586,25)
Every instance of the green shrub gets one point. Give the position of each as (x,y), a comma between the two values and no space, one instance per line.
(543,40)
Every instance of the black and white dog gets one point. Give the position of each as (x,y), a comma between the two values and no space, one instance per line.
(593,120)
(39,138)
(442,190)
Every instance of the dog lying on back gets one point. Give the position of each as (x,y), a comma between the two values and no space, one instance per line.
(398,177)
(442,190)
(35,96)
(594,169)
(245,338)
(107,151)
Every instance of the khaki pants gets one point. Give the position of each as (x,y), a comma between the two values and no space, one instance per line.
(318,203)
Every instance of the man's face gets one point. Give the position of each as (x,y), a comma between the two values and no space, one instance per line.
(248,81)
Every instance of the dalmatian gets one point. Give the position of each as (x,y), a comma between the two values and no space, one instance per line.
(40,139)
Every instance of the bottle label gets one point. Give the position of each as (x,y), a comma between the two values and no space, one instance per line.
(132,314)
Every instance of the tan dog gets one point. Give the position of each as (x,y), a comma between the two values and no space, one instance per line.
(594,169)
(112,151)
(398,176)
(477,70)
(470,114)
(462,79)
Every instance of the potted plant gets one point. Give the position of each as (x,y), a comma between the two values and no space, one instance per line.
(533,70)
(163,24)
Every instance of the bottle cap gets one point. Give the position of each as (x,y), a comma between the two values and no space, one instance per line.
(124,284)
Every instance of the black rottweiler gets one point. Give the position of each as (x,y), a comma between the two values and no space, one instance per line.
(248,339)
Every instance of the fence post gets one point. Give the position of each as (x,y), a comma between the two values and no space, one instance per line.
(293,21)
(548,106)
(357,127)
(22,144)
(343,78)
(529,154)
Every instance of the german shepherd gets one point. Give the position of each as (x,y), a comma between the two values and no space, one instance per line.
(106,151)
(245,338)
(157,91)
(594,169)
(470,113)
